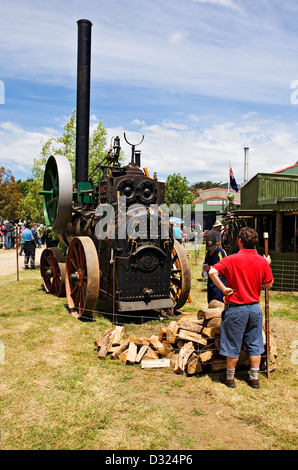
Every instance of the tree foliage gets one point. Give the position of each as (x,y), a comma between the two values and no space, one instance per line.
(201,185)
(10,195)
(65,145)
(177,190)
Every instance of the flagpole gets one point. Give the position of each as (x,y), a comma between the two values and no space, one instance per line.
(228,205)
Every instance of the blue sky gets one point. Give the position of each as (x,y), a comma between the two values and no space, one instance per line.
(201,79)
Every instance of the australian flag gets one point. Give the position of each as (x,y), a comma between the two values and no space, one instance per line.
(233,183)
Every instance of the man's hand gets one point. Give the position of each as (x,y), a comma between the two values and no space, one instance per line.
(268,258)
(228,291)
(215,278)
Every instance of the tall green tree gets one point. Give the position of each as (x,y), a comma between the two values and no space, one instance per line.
(65,145)
(10,195)
(177,190)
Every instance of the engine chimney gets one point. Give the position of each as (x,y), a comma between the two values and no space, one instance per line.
(83,100)
(246,149)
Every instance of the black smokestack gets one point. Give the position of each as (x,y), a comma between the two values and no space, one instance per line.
(83,100)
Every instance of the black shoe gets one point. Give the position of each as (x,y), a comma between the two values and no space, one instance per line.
(32,267)
(26,267)
(253,383)
(228,382)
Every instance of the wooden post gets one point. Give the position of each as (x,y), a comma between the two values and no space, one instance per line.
(267,332)
(17,252)
(278,232)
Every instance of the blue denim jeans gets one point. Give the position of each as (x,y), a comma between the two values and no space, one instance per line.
(8,241)
(241,323)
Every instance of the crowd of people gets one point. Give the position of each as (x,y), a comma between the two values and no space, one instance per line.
(24,237)
(11,234)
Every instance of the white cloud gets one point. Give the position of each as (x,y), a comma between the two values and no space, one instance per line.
(19,147)
(176,38)
(204,154)
(170,44)
(138,122)
(222,3)
(198,153)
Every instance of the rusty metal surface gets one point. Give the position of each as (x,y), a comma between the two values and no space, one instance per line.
(82,277)
(180,276)
(52,269)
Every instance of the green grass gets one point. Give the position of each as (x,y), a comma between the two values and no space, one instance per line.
(56,394)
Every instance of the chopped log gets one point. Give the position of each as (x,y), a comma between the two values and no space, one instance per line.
(193,366)
(140,340)
(141,353)
(216,304)
(183,357)
(162,334)
(118,335)
(190,326)
(219,364)
(173,359)
(123,346)
(189,336)
(155,363)
(131,353)
(211,332)
(209,313)
(105,343)
(205,356)
(150,354)
(102,337)
(214,323)
(154,341)
(189,316)
(168,349)
(123,356)
(171,332)
(180,343)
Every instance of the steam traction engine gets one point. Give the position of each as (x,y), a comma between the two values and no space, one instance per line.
(111,253)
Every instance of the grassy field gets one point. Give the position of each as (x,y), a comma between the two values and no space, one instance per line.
(56,394)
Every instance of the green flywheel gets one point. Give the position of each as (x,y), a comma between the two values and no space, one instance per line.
(57,193)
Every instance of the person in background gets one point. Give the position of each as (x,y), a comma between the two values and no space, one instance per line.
(15,233)
(29,248)
(216,231)
(177,233)
(8,228)
(39,233)
(213,254)
(242,319)
(34,231)
(22,243)
(2,239)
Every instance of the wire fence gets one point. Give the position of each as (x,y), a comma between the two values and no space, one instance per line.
(285,275)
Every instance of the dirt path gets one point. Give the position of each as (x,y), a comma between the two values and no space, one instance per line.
(8,261)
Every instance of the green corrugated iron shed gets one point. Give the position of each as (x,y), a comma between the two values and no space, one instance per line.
(271,191)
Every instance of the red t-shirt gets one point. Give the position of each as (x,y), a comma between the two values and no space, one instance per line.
(245,271)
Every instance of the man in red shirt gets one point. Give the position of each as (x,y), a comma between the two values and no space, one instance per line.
(242,320)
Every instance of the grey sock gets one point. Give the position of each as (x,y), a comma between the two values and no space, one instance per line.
(253,373)
(230,373)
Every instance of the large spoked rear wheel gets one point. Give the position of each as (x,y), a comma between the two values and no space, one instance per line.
(180,276)
(82,277)
(52,270)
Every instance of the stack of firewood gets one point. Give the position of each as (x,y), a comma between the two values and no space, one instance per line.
(189,344)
